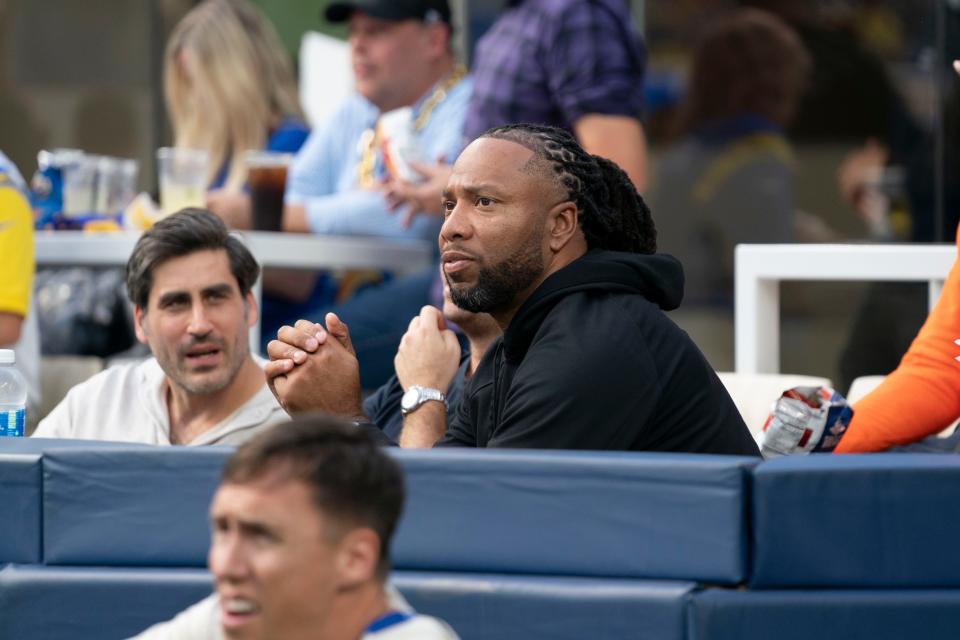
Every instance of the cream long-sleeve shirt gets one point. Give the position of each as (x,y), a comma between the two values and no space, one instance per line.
(127,403)
(201,621)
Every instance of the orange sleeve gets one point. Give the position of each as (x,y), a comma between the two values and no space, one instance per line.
(922,396)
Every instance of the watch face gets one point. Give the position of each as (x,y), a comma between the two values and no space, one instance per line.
(410,398)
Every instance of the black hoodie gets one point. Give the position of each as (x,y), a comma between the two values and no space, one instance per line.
(591,362)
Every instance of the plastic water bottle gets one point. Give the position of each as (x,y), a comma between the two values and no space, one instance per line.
(13,395)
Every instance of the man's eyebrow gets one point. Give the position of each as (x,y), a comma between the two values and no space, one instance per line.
(179,295)
(221,288)
(247,526)
(480,187)
(252,527)
(172,296)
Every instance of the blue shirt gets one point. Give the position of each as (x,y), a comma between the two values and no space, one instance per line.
(286,138)
(383,405)
(324,177)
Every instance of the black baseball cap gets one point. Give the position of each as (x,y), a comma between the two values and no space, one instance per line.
(425,10)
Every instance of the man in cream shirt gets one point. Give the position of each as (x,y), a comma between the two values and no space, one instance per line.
(189,281)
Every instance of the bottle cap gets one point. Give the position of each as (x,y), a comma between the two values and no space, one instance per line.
(7,356)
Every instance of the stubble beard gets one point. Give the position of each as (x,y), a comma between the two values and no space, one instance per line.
(234,356)
(498,285)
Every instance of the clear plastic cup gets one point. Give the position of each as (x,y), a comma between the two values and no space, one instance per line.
(79,187)
(267,180)
(183,178)
(116,185)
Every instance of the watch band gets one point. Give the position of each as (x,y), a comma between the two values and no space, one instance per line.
(416,396)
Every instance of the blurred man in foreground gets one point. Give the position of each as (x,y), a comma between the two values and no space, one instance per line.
(301,524)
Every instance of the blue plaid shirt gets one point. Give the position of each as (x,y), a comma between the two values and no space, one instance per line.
(553,61)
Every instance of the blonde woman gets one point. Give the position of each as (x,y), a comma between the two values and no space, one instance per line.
(230,88)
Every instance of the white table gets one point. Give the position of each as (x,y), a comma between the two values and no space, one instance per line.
(287,250)
(760,268)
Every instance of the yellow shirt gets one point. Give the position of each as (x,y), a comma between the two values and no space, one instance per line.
(16,246)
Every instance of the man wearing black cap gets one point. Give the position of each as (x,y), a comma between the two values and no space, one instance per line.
(401,58)
(426,10)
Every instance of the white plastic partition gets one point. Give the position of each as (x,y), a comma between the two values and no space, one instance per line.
(325,75)
(761,267)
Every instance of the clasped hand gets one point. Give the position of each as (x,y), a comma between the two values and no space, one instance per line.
(313,368)
(429,354)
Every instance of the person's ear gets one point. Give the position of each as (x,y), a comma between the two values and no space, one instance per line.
(562,225)
(438,38)
(250,308)
(138,314)
(358,554)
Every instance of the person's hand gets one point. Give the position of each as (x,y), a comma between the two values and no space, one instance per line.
(421,197)
(956,66)
(308,371)
(429,353)
(233,207)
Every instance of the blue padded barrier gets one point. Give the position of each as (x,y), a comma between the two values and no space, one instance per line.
(20,503)
(717,614)
(498,607)
(42,445)
(20,495)
(93,602)
(21,482)
(881,520)
(133,507)
(613,514)
(561,513)
(70,602)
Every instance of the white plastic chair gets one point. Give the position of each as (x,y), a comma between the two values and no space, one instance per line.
(756,393)
(59,374)
(863,385)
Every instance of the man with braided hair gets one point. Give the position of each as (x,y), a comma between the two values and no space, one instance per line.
(557,245)
(559,248)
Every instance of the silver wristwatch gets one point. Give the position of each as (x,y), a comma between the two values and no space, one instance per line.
(417,395)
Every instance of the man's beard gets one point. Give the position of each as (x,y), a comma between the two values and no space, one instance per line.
(234,356)
(498,285)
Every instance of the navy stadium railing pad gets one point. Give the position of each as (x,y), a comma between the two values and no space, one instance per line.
(645,515)
(881,520)
(87,602)
(21,492)
(139,507)
(498,607)
(521,543)
(91,602)
(896,614)
(20,507)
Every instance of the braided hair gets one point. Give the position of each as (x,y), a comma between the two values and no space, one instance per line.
(612,214)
